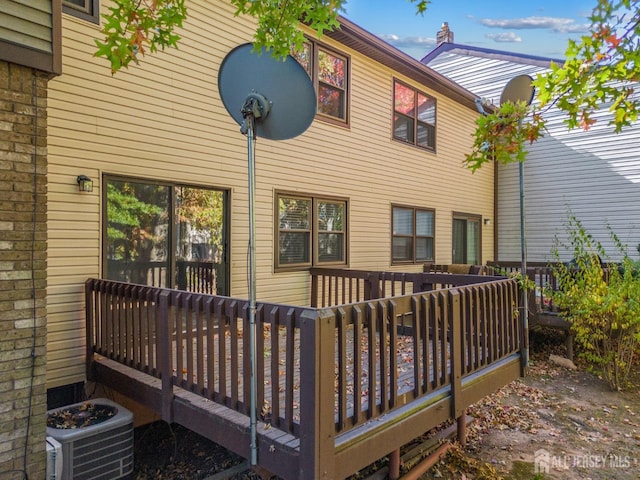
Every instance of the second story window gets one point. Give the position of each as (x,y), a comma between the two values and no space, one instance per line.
(329,72)
(414,116)
(85,9)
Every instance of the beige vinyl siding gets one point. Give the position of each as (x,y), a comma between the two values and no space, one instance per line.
(164,120)
(27,23)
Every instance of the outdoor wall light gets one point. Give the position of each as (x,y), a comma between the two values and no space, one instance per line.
(85,184)
(487,221)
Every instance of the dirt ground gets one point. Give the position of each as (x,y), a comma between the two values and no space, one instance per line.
(555,424)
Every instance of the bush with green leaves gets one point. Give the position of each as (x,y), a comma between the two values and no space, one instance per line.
(601,301)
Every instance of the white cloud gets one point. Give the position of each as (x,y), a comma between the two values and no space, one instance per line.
(408,42)
(507,37)
(554,24)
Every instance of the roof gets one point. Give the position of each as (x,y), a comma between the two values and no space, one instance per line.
(359,39)
(483,71)
(489,53)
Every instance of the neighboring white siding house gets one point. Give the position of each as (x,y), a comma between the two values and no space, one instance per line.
(595,174)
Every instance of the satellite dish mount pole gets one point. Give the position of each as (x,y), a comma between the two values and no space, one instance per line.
(290,108)
(255,107)
(521,89)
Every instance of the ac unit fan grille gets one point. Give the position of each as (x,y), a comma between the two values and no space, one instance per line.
(103,456)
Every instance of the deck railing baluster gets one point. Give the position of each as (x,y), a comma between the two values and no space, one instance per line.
(372,375)
(176,331)
(341,367)
(111,319)
(274,375)
(289,364)
(190,310)
(221,315)
(436,336)
(234,324)
(210,362)
(425,315)
(357,315)
(244,397)
(261,338)
(384,350)
(163,327)
(446,321)
(393,355)
(477,332)
(201,316)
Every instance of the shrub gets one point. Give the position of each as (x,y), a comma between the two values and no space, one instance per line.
(602,304)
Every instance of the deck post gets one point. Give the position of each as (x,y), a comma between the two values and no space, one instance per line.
(456,354)
(372,286)
(317,421)
(421,284)
(462,428)
(314,289)
(394,465)
(89,319)
(163,359)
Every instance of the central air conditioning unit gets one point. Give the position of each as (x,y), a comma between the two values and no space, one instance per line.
(96,439)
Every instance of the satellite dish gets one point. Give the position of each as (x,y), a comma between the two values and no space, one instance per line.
(273,99)
(279,93)
(519,89)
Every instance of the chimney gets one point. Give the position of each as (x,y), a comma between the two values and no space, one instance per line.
(444,35)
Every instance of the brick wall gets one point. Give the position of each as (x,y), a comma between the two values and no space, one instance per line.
(23,239)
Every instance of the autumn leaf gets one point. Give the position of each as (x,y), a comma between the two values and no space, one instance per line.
(613,40)
(586,121)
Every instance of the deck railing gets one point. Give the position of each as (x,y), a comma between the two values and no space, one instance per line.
(323,373)
(331,287)
(413,345)
(543,277)
(191,275)
(199,342)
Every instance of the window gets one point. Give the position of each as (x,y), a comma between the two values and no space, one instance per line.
(414,116)
(466,239)
(311,231)
(413,235)
(329,72)
(85,9)
(165,235)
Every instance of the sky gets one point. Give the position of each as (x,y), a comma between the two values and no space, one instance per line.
(540,27)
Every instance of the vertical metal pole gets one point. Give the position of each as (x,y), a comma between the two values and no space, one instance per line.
(523,268)
(252,290)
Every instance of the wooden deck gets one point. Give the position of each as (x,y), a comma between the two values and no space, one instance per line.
(339,386)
